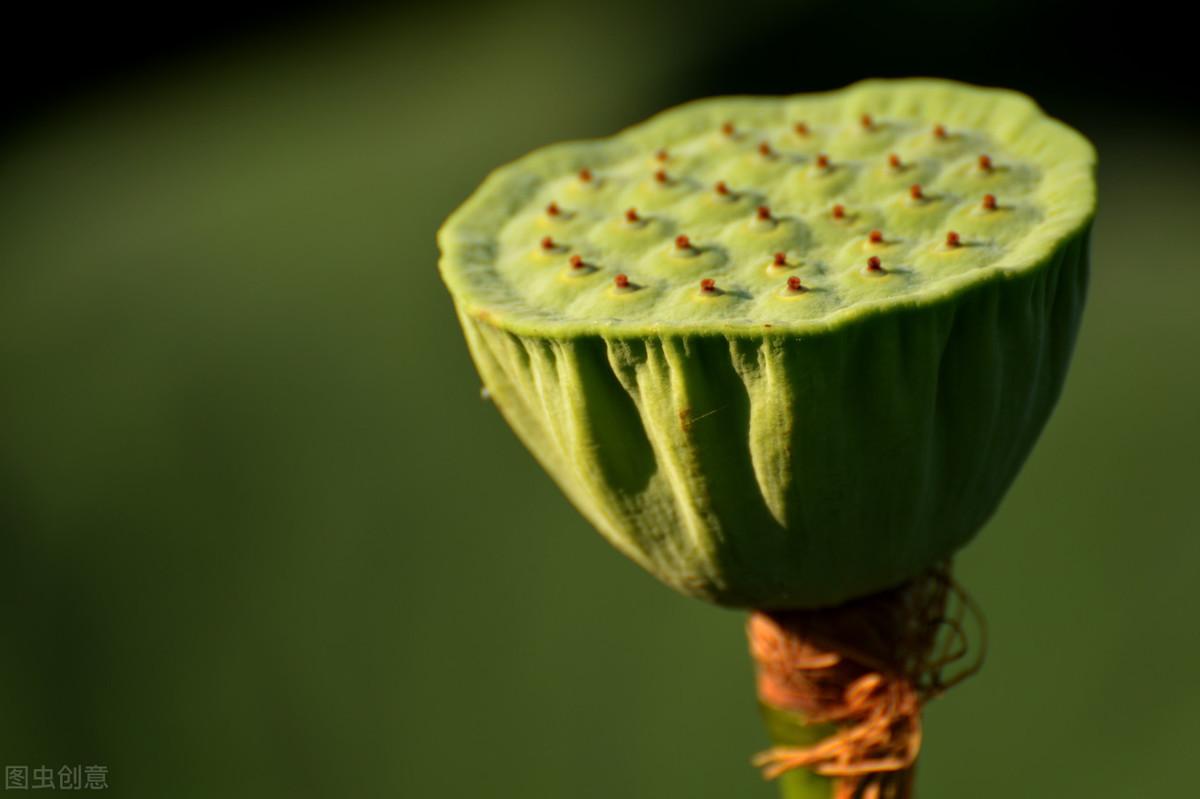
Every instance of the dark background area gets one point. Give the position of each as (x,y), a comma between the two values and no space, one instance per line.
(258,535)
(1073,56)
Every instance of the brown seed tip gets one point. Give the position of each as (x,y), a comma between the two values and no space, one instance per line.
(708,285)
(794,284)
(989,202)
(952,240)
(839,211)
(764,149)
(577,262)
(801,129)
(985,163)
(866,121)
(894,161)
(763,212)
(939,131)
(621,281)
(585,174)
(661,176)
(822,161)
(727,128)
(874,264)
(632,215)
(875,237)
(552,209)
(780,259)
(915,192)
(547,243)
(683,243)
(662,155)
(721,188)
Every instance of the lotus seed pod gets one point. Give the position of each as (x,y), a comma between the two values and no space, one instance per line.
(809,364)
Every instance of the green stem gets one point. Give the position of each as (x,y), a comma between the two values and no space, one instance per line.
(803,784)
(786,728)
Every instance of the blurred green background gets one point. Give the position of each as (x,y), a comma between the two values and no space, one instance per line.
(260,537)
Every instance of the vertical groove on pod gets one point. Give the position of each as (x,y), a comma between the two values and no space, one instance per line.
(642,367)
(612,453)
(770,426)
(716,434)
(544,373)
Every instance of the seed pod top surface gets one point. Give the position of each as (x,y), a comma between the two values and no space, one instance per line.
(783,352)
(964,185)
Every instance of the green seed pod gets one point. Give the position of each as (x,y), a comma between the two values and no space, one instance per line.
(787,351)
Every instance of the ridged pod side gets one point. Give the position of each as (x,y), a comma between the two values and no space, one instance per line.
(797,470)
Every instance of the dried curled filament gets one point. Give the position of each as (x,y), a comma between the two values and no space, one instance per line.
(866,667)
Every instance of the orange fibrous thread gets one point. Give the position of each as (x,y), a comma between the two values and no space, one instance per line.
(867,667)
